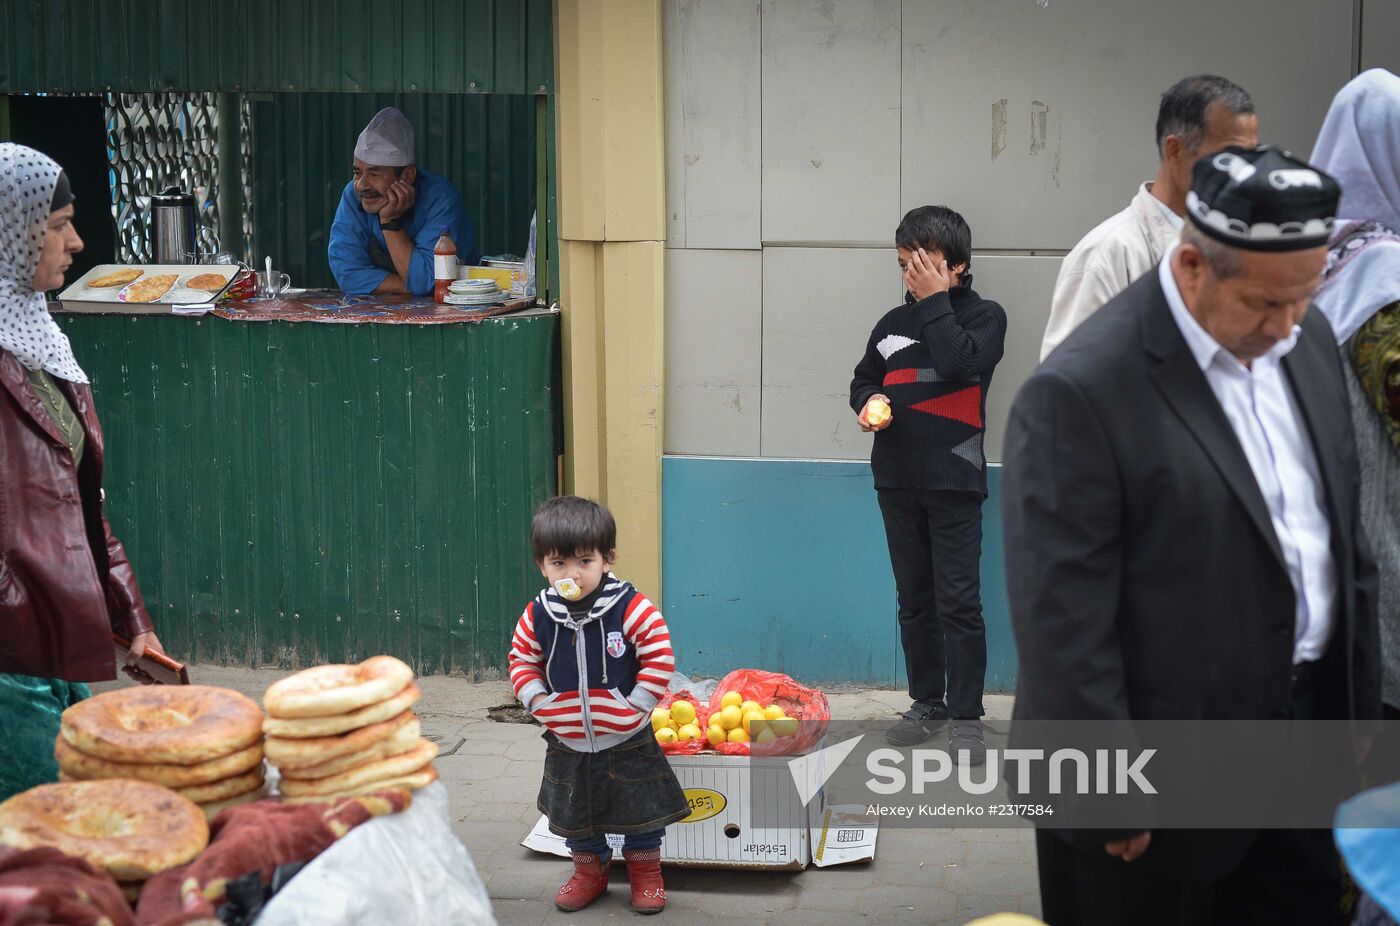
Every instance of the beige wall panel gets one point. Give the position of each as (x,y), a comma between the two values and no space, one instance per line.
(713,61)
(1380,35)
(714,356)
(579,273)
(633,358)
(819,305)
(578,28)
(1022,285)
(634,130)
(1038,123)
(830,121)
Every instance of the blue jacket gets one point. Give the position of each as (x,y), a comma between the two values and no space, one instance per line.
(359,256)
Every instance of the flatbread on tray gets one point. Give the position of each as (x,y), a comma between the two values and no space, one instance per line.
(120,278)
(151,288)
(209,282)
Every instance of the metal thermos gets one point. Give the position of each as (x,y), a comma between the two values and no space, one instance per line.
(172,227)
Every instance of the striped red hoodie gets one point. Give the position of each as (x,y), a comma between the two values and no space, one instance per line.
(601,673)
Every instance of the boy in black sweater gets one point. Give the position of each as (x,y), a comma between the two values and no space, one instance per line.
(922,388)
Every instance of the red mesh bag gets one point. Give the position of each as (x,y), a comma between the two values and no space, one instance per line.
(806,705)
(702,720)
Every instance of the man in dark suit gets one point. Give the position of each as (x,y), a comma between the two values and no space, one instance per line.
(1182,539)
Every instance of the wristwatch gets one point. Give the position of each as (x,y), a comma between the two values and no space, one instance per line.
(391,225)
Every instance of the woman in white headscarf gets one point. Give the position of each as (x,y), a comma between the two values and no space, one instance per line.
(1360,145)
(66,585)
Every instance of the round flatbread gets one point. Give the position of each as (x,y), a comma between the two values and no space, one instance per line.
(411,782)
(359,778)
(132,829)
(325,691)
(223,790)
(305,753)
(209,282)
(166,724)
(400,741)
(214,808)
(83,767)
(307,727)
(120,278)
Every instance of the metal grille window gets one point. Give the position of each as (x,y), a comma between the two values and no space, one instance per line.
(159,140)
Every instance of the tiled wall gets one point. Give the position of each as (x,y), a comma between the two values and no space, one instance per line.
(798,132)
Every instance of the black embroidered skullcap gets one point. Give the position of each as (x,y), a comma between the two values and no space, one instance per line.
(1262,199)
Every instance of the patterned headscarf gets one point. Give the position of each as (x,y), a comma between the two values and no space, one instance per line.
(1359,144)
(27,181)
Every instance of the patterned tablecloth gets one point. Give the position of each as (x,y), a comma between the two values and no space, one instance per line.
(321,305)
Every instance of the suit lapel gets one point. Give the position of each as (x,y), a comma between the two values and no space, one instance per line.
(1183,386)
(16,381)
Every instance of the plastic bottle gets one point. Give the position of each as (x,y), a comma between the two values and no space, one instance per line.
(530,261)
(444,265)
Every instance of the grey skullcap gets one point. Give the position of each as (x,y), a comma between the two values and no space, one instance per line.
(387,141)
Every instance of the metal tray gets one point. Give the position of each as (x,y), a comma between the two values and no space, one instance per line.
(81,296)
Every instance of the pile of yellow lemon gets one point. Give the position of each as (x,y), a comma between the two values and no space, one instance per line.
(737,721)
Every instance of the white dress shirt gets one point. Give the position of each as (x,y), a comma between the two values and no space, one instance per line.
(1116,252)
(1262,411)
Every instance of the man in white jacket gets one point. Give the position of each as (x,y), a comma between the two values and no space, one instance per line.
(1198,116)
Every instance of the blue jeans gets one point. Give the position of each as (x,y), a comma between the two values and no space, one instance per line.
(598,845)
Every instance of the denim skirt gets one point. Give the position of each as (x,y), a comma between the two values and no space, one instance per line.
(629,788)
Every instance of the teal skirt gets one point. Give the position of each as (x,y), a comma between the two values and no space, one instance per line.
(30,709)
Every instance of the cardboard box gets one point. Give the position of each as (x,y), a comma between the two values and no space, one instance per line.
(724,831)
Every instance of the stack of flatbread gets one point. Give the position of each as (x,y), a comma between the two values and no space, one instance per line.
(340,730)
(203,742)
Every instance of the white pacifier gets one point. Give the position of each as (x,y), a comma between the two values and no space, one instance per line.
(568,589)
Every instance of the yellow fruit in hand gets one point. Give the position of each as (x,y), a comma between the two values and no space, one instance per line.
(737,735)
(772,712)
(750,706)
(688,732)
(716,734)
(754,721)
(661,717)
(783,726)
(683,712)
(731,699)
(877,412)
(766,735)
(730,717)
(665,735)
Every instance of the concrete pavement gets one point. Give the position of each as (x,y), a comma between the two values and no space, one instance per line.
(942,877)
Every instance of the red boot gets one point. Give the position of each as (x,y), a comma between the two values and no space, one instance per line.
(644,871)
(589,882)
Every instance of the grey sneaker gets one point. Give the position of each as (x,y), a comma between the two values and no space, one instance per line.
(965,742)
(922,720)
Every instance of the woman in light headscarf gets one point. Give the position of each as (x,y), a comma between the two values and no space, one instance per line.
(65,583)
(1360,145)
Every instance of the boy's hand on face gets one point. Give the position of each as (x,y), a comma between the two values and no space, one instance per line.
(924,278)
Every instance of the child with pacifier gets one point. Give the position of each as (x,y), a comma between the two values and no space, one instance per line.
(590,658)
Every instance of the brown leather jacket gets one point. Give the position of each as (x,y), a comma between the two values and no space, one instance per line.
(65,582)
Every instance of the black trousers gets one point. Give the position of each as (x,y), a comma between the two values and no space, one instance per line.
(1288,878)
(935,541)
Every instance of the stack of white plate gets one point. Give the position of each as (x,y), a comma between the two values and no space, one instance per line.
(475,292)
